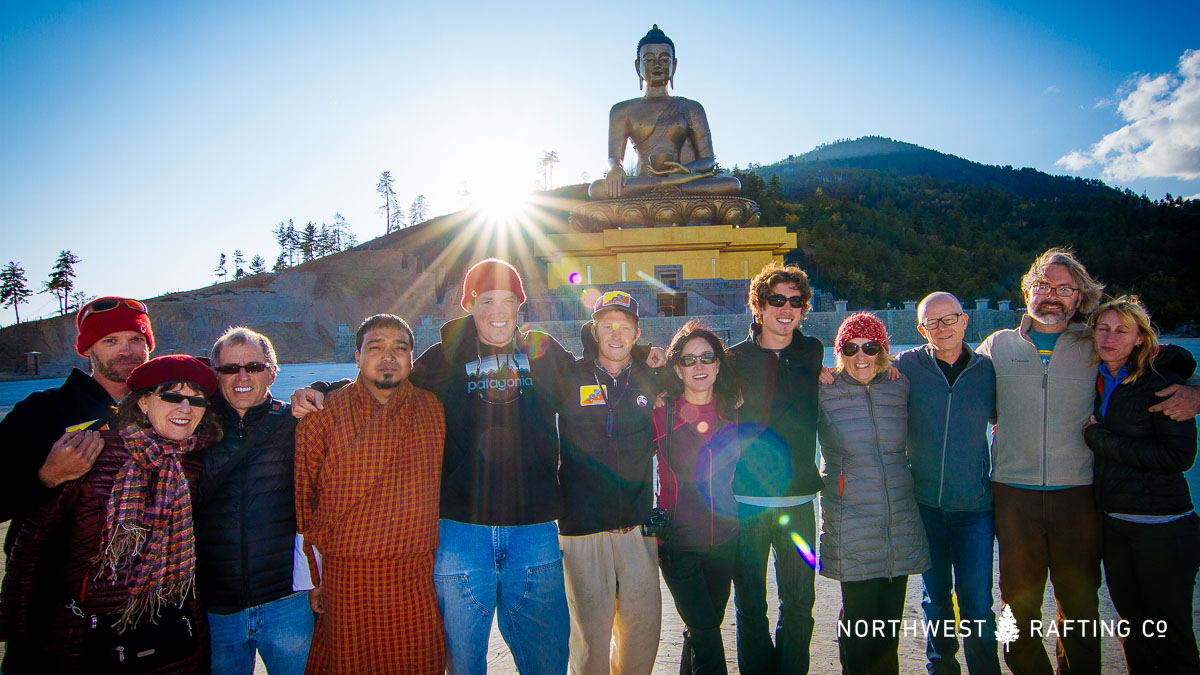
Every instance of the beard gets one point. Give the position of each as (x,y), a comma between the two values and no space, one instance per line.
(1049,319)
(388,381)
(115,370)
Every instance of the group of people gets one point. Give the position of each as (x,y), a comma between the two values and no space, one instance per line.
(170,515)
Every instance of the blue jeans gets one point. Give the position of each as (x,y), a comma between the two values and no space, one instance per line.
(961,545)
(518,570)
(280,630)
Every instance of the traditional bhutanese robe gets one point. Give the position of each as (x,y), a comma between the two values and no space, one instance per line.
(368,477)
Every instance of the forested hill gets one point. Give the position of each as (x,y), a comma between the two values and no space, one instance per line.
(880,221)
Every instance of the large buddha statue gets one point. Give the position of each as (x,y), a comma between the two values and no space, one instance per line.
(670,135)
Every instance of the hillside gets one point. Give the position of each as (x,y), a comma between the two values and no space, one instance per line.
(882,222)
(879,222)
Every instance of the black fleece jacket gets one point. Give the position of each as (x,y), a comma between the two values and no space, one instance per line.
(607,474)
(778,416)
(501,461)
(1141,456)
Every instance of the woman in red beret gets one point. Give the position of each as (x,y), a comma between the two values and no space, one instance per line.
(101,577)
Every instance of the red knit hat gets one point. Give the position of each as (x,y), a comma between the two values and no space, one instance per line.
(173,368)
(861,325)
(491,274)
(107,315)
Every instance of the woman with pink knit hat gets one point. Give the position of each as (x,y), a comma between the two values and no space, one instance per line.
(872,537)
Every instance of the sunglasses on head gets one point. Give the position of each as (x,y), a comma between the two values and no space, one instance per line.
(778,300)
(689,360)
(235,368)
(868,348)
(106,304)
(175,398)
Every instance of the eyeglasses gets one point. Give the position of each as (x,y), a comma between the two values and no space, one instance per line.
(1060,291)
(175,398)
(235,368)
(948,320)
(778,300)
(868,348)
(689,360)
(106,304)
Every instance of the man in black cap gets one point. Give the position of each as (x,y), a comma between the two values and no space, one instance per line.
(606,475)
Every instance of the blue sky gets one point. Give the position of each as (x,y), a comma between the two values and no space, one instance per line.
(149,137)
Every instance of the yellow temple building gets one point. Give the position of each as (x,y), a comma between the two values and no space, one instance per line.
(667,255)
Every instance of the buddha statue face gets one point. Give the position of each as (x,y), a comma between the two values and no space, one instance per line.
(656,63)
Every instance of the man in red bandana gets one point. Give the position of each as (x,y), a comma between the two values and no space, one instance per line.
(53,436)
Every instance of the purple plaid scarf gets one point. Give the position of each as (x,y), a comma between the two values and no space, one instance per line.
(148,526)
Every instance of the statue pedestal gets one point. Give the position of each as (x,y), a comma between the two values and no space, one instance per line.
(659,210)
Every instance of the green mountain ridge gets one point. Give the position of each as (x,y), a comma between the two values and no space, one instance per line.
(881,222)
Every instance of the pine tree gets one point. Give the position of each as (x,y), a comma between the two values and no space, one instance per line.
(386,187)
(418,210)
(341,232)
(258,265)
(62,279)
(239,264)
(308,241)
(219,271)
(14,288)
(281,238)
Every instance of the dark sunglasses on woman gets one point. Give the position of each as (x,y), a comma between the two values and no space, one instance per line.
(868,348)
(175,398)
(689,360)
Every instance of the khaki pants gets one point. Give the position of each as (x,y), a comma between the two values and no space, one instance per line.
(615,602)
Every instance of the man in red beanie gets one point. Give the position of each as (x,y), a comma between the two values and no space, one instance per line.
(53,436)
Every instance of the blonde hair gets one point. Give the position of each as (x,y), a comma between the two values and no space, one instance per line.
(1089,291)
(1134,313)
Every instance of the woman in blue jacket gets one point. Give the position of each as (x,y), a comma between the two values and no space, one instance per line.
(1151,531)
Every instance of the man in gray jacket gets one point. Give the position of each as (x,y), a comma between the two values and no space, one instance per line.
(1046,519)
(952,397)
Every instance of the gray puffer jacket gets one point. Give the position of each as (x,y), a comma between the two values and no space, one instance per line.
(872,529)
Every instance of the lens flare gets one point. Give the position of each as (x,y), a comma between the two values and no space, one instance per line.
(575,278)
(804,550)
(784,520)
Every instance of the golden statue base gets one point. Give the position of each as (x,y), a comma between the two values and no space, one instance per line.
(660,210)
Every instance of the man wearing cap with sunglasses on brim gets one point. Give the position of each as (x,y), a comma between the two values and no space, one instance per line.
(245,517)
(777,481)
(952,397)
(53,436)
(607,478)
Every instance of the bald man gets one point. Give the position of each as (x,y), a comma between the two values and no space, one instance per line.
(953,394)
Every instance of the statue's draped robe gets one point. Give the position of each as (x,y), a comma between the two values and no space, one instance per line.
(368,479)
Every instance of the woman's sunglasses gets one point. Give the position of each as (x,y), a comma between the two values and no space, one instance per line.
(175,398)
(106,304)
(868,348)
(689,360)
(235,368)
(778,300)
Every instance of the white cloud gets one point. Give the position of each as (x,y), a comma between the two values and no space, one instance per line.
(1051,90)
(1161,136)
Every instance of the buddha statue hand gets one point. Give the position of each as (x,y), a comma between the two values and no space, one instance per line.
(614,181)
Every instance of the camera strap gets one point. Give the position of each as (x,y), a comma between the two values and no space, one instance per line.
(670,412)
